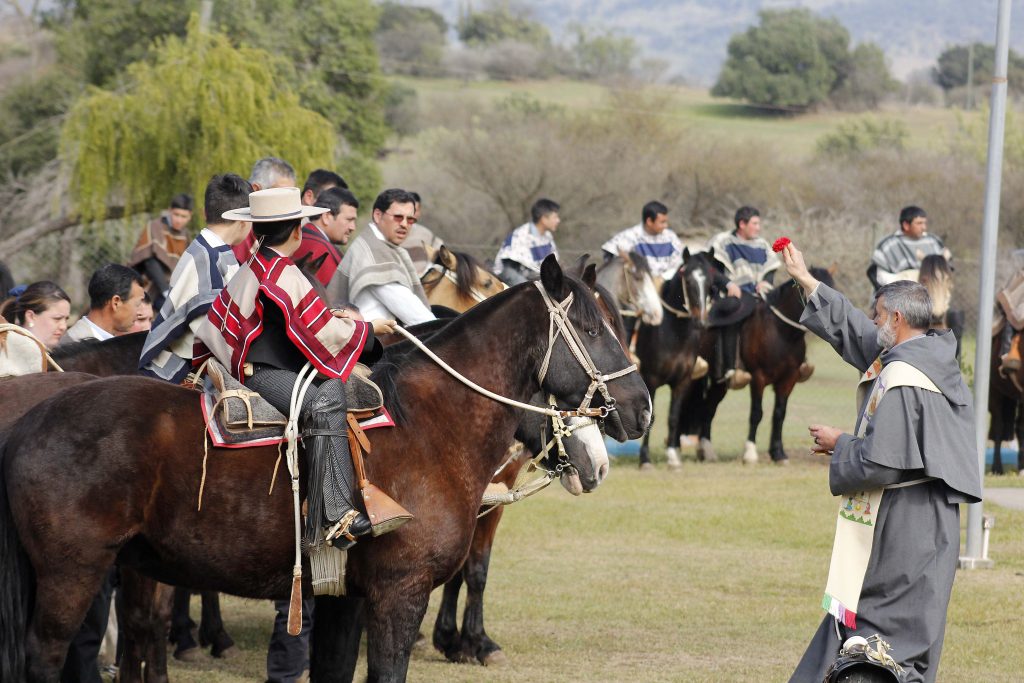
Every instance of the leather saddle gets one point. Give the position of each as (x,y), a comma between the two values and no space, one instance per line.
(238,416)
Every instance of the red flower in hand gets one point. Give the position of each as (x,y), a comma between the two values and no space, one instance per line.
(780,244)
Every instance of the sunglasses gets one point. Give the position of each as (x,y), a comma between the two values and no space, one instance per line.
(399,218)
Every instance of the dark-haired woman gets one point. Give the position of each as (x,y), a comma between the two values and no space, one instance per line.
(265,326)
(43,309)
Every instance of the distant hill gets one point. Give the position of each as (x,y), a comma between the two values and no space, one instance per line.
(692,35)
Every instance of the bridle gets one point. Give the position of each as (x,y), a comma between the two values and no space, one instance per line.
(559,325)
(685,312)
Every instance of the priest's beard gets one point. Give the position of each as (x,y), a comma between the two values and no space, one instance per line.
(887,335)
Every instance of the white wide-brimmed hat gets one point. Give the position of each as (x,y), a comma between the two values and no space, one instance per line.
(274,204)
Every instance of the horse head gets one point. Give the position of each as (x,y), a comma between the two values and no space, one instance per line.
(688,293)
(628,277)
(458,281)
(584,365)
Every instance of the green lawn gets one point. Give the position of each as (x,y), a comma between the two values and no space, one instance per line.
(713,573)
(696,109)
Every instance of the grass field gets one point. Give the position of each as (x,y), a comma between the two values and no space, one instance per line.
(713,573)
(696,109)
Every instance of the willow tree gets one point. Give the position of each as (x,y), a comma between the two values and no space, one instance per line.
(197,107)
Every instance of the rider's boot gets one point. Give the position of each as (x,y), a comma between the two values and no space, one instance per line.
(332,509)
(735,377)
(1010,361)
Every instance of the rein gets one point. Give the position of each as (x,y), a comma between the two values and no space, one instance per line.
(782,316)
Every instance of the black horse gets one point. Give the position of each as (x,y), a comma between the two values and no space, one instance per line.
(668,352)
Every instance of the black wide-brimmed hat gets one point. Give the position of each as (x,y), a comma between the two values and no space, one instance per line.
(731,310)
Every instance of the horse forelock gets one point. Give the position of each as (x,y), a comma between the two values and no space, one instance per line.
(466,268)
(640,261)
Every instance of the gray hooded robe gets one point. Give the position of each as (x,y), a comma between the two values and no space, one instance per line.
(914,433)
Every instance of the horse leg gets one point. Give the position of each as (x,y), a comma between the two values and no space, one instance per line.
(475,641)
(750,455)
(1019,432)
(715,394)
(446,629)
(782,392)
(337,630)
(144,607)
(393,615)
(211,627)
(185,647)
(64,595)
(672,449)
(645,453)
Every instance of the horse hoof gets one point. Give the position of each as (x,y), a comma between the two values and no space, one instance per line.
(782,462)
(750,456)
(192,654)
(646,467)
(706,452)
(496,658)
(672,455)
(226,653)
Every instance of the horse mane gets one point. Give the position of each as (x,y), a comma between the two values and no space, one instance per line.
(400,357)
(78,348)
(640,261)
(937,278)
(465,273)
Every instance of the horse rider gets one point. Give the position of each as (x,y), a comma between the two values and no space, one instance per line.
(161,244)
(266,325)
(1010,317)
(652,239)
(898,256)
(377,277)
(750,267)
(323,235)
(115,294)
(421,243)
(525,248)
(266,173)
(205,268)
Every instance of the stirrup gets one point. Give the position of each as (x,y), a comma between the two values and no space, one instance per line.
(805,371)
(700,368)
(738,378)
(338,535)
(384,512)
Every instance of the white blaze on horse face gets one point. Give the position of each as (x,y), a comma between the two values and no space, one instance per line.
(586,442)
(702,305)
(649,302)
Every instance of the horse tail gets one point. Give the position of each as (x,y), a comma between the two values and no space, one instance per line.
(17,584)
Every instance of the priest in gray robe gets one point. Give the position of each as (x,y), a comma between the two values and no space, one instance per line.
(916,443)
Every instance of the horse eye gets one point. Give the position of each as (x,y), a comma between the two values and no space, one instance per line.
(594,332)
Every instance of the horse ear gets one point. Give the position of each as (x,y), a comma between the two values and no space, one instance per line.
(447,258)
(579,265)
(304,261)
(551,276)
(590,276)
(316,265)
(834,268)
(686,254)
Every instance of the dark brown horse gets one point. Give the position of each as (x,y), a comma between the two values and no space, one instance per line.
(667,352)
(120,356)
(773,348)
(110,470)
(1006,407)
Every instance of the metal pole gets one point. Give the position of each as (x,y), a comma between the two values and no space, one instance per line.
(987,284)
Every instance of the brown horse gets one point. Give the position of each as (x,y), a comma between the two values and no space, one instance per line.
(1006,407)
(471,642)
(773,348)
(120,356)
(458,281)
(110,470)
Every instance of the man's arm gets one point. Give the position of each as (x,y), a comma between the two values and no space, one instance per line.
(832,317)
(405,305)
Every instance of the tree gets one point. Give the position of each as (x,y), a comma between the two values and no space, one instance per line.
(793,59)
(410,40)
(868,81)
(604,55)
(502,22)
(951,69)
(198,108)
